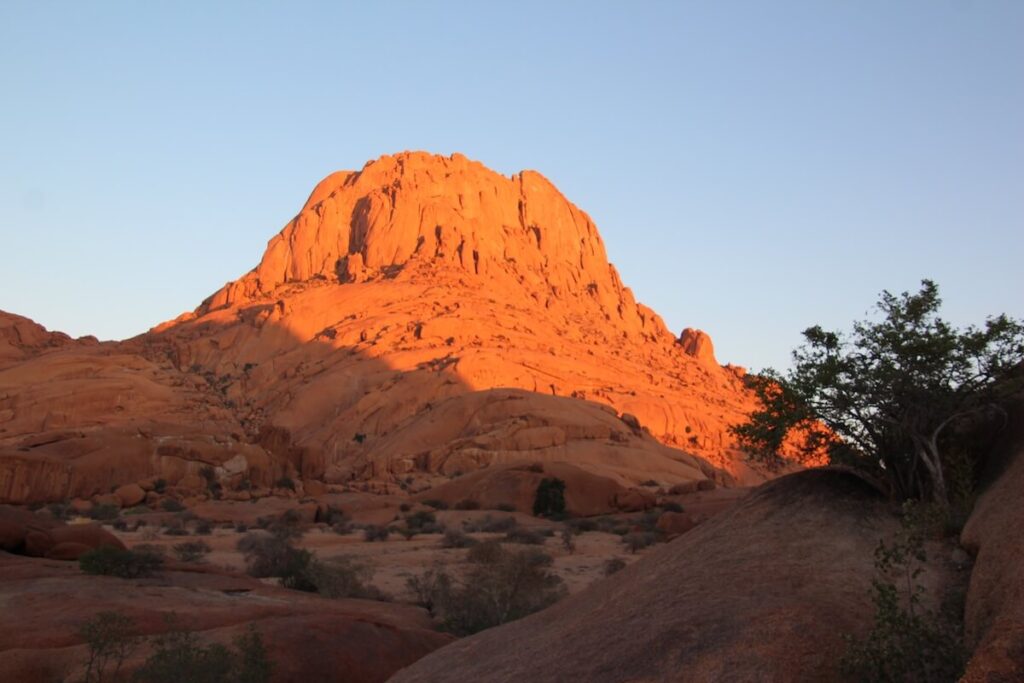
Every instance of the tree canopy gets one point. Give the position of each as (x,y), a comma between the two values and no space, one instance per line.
(886,396)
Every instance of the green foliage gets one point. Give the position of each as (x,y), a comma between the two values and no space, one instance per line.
(191,551)
(274,555)
(886,397)
(104,513)
(502,587)
(285,483)
(111,638)
(525,536)
(550,497)
(374,532)
(172,505)
(126,564)
(638,540)
(179,655)
(613,566)
(343,577)
(453,538)
(908,641)
(489,524)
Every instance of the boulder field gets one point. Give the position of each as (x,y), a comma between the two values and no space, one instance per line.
(419,319)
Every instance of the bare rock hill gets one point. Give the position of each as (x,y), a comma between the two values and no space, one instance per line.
(418,319)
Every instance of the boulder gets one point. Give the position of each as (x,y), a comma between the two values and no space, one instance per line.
(130,495)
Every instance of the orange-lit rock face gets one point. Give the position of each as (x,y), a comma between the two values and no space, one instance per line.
(384,336)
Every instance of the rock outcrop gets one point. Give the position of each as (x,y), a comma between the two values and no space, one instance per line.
(368,345)
(750,595)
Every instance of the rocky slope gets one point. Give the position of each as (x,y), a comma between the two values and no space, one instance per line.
(382,339)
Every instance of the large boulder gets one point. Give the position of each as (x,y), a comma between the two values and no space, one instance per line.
(763,592)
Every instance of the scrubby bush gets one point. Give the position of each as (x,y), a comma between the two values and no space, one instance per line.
(104,513)
(110,638)
(671,506)
(180,656)
(505,507)
(550,498)
(489,524)
(613,565)
(525,536)
(467,504)
(374,532)
(160,485)
(436,504)
(171,505)
(638,540)
(485,553)
(175,527)
(274,555)
(127,564)
(342,577)
(203,527)
(285,483)
(120,524)
(453,538)
(582,525)
(568,539)
(430,589)
(509,586)
(191,551)
(60,510)
(908,642)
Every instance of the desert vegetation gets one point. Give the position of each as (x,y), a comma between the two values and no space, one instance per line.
(176,655)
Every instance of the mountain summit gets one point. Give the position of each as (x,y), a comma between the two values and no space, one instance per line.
(429,213)
(424,326)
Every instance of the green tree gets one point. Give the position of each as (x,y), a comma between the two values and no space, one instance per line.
(887,397)
(550,497)
(111,638)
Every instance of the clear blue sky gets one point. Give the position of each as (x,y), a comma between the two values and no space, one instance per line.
(754,167)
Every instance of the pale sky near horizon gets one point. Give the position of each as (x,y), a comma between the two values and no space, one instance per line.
(754,167)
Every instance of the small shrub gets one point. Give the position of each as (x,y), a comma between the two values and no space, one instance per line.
(111,638)
(405,507)
(342,577)
(203,528)
(160,485)
(60,510)
(191,551)
(568,539)
(671,506)
(273,555)
(467,504)
(485,553)
(241,527)
(342,528)
(505,507)
(430,588)
(104,513)
(638,540)
(510,587)
(374,532)
(126,564)
(580,526)
(120,524)
(179,656)
(454,538)
(436,504)
(491,525)
(525,536)
(171,505)
(550,498)
(175,528)
(419,520)
(613,565)
(285,483)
